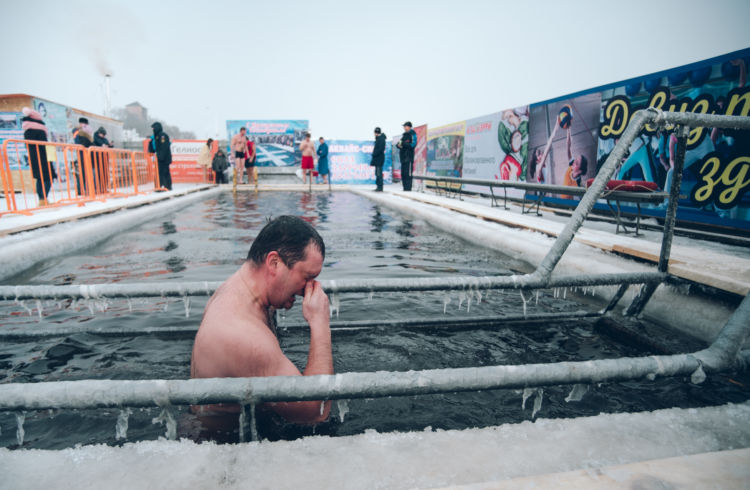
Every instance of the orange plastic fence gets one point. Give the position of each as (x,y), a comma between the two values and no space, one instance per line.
(38,174)
(185,167)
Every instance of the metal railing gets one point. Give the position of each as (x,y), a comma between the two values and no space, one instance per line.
(723,354)
(29,170)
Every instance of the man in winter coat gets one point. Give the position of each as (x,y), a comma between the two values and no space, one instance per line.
(219,165)
(322,152)
(161,145)
(35,130)
(406,153)
(378,159)
(82,136)
(101,160)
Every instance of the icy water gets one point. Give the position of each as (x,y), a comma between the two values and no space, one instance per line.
(209,240)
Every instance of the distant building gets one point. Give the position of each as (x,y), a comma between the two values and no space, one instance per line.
(135,109)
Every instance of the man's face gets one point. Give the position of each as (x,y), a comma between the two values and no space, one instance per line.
(242,131)
(291,281)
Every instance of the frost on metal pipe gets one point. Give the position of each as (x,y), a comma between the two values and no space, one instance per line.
(205,288)
(110,393)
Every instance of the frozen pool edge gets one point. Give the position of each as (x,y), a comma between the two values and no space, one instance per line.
(45,243)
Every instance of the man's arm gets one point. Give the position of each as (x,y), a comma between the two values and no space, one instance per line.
(315,309)
(569,144)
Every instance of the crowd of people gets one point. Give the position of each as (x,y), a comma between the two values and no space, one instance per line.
(314,160)
(42,158)
(243,156)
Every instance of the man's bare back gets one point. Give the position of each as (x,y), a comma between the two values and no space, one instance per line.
(236,337)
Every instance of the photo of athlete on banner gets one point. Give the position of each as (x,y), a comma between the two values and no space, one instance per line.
(563,141)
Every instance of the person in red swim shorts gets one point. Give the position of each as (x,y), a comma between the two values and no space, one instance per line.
(308,161)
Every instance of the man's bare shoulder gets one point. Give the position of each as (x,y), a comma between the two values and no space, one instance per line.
(233,339)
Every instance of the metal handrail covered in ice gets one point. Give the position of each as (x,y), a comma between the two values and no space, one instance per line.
(723,354)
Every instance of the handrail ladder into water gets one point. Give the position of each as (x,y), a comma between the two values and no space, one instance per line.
(723,354)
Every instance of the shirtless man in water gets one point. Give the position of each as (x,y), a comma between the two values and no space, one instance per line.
(237,335)
(308,160)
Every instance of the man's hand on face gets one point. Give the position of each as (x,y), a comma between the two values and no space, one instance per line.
(315,307)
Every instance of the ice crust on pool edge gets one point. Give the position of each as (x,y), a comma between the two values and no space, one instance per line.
(393,460)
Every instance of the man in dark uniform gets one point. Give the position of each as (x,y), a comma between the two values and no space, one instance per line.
(378,159)
(161,145)
(406,153)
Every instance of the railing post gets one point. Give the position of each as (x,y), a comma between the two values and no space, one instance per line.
(647,290)
(674,197)
(135,172)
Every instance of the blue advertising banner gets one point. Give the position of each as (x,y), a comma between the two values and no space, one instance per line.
(10,129)
(717,163)
(349,161)
(276,141)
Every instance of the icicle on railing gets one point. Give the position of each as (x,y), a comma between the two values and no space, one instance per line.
(121,426)
(537,402)
(343,408)
(523,298)
(22,304)
(20,433)
(186,302)
(698,376)
(335,302)
(167,417)
(576,393)
(527,393)
(248,411)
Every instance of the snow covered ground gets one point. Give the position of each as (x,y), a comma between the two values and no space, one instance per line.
(427,459)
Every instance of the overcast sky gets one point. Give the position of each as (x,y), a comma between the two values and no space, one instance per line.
(348,66)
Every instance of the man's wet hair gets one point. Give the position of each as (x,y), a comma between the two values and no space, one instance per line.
(289,236)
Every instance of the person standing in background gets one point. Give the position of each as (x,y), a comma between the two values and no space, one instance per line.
(239,148)
(252,172)
(323,159)
(82,136)
(406,146)
(100,138)
(101,160)
(378,159)
(34,129)
(308,164)
(219,165)
(161,145)
(204,156)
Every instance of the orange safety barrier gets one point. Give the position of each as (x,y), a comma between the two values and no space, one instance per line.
(185,167)
(29,170)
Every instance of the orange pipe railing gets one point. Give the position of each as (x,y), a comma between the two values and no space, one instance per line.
(82,174)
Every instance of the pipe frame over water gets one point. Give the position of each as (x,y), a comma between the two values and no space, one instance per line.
(723,354)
